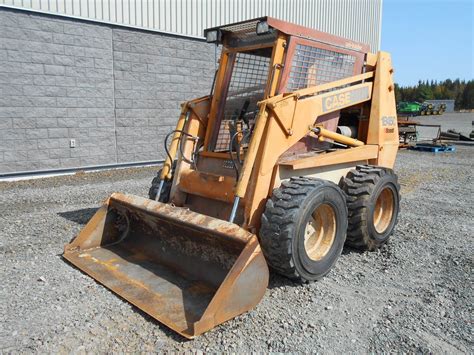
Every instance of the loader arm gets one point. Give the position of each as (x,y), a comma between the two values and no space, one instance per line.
(303,105)
(194,110)
(285,119)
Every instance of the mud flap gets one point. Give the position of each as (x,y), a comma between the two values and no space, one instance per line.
(189,271)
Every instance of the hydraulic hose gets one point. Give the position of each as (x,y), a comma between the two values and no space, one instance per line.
(183,133)
(231,144)
(246,135)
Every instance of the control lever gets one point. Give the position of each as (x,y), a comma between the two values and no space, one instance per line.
(244,111)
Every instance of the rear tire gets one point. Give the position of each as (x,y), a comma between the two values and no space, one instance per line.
(373,201)
(303,228)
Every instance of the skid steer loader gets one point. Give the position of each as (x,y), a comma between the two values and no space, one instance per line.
(287,159)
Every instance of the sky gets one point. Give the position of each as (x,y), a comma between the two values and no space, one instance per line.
(429,39)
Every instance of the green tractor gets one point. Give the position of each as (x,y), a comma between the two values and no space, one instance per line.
(407,108)
(412,109)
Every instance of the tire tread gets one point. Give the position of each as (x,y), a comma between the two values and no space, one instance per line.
(279,223)
(358,187)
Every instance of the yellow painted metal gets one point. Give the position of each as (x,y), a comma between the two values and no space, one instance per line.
(383,125)
(364,152)
(275,141)
(383,211)
(196,126)
(217,98)
(166,171)
(284,121)
(277,66)
(276,62)
(322,132)
(216,187)
(285,106)
(260,123)
(319,88)
(320,232)
(189,110)
(371,59)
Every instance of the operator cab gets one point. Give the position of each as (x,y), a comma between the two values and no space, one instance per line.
(262,58)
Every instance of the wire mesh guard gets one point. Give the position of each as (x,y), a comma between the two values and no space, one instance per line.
(245,33)
(314,66)
(242,30)
(248,82)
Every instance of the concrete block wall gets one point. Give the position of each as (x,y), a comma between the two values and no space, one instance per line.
(115,91)
(153,75)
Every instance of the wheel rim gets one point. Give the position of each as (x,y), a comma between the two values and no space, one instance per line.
(320,232)
(383,211)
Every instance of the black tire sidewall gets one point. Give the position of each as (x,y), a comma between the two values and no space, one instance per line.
(310,269)
(387,181)
(165,192)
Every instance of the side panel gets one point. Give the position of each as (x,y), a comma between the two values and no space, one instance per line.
(284,125)
(332,172)
(383,127)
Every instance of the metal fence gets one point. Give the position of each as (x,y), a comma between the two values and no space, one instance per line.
(359,20)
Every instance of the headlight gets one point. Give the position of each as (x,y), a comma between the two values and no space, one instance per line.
(262,27)
(213,36)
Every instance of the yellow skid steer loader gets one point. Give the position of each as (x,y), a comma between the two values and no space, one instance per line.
(287,159)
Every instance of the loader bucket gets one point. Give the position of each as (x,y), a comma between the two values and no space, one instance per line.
(189,271)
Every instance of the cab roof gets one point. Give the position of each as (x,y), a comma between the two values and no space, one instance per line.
(248,28)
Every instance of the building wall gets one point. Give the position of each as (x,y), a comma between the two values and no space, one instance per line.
(112,77)
(116,91)
(449,104)
(359,20)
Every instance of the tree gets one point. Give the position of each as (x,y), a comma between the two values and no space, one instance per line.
(398,94)
(467,99)
(424,92)
(458,90)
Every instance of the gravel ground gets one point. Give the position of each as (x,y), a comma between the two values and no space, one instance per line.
(461,122)
(414,295)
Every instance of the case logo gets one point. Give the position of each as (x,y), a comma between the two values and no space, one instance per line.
(345,99)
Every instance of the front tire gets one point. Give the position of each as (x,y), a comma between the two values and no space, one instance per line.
(303,228)
(165,191)
(373,201)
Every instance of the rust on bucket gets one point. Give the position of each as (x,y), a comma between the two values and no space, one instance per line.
(187,270)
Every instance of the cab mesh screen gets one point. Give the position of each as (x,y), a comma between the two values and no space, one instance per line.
(314,66)
(246,88)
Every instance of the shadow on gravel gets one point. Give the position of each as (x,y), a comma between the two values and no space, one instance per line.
(168,332)
(277,280)
(81,216)
(349,250)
